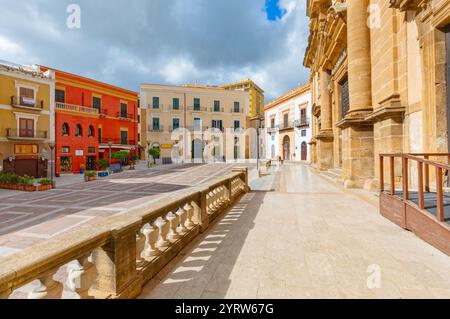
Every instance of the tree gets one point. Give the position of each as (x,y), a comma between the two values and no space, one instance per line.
(155,152)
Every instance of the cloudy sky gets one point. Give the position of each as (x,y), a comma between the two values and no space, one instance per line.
(126,43)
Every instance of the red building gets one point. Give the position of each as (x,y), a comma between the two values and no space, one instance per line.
(92,117)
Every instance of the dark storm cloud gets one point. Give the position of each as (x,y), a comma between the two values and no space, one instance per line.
(161,41)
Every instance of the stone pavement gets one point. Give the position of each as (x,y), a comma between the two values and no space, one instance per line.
(297,235)
(29,218)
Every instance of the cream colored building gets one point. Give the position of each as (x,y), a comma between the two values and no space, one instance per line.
(288,126)
(196,109)
(27,119)
(380,83)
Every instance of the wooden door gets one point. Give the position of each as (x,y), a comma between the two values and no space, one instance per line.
(26,127)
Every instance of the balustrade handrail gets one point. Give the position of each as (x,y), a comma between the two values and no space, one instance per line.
(423,177)
(107,239)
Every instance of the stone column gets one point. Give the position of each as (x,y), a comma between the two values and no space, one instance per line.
(359,60)
(325,136)
(357,128)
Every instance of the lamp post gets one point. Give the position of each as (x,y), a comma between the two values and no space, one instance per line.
(51,145)
(110,144)
(148,154)
(257,143)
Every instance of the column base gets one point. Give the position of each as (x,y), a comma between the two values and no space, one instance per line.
(325,150)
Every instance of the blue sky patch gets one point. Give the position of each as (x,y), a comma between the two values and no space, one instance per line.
(273,10)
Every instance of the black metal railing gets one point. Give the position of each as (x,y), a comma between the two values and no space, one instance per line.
(26,102)
(26,134)
(117,141)
(304,122)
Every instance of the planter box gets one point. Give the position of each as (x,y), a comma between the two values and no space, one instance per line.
(90,178)
(20,187)
(30,188)
(43,188)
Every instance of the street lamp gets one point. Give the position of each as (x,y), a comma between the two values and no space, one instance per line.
(110,144)
(51,145)
(148,154)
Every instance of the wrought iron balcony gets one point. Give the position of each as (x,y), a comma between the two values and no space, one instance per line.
(125,116)
(27,103)
(155,128)
(14,134)
(198,108)
(237,110)
(117,141)
(286,126)
(304,122)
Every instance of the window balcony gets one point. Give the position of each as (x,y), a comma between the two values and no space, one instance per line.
(125,116)
(26,135)
(117,141)
(217,109)
(155,128)
(198,108)
(27,103)
(302,123)
(76,108)
(237,110)
(286,126)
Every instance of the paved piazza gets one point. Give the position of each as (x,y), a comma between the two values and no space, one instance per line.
(297,235)
(30,218)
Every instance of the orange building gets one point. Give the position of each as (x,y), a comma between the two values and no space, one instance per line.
(91,118)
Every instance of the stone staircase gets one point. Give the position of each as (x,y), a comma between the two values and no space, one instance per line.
(333,174)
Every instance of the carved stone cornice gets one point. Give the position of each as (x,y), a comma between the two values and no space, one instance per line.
(404,5)
(358,118)
(325,135)
(390,107)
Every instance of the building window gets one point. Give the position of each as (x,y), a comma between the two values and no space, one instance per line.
(175,124)
(91,150)
(285,120)
(303,116)
(139,119)
(156,102)
(65,150)
(197,124)
(155,124)
(345,97)
(237,125)
(216,106)
(139,137)
(100,135)
(237,107)
(97,103)
(216,124)
(91,131)
(272,122)
(27,97)
(79,130)
(124,110)
(65,129)
(303,133)
(176,104)
(196,104)
(60,96)
(26,127)
(123,137)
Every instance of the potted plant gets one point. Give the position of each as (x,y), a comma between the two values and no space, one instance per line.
(45,184)
(13,180)
(3,184)
(21,181)
(29,184)
(90,176)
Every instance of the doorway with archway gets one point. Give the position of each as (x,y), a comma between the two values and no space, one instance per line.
(304,151)
(286,148)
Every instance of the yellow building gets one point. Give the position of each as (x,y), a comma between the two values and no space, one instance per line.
(256,96)
(27,119)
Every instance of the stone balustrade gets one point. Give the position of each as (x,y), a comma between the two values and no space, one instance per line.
(117,256)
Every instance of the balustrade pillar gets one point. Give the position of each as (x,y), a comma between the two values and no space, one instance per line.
(182,216)
(173,224)
(151,237)
(164,228)
(116,264)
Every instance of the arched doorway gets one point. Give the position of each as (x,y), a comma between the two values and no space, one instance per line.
(197,149)
(304,151)
(286,148)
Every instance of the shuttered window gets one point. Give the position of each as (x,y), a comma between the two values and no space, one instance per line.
(345,99)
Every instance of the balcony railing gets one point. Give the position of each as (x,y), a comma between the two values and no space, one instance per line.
(155,128)
(117,141)
(23,102)
(125,116)
(237,110)
(286,126)
(25,134)
(197,108)
(116,257)
(302,122)
(217,109)
(76,108)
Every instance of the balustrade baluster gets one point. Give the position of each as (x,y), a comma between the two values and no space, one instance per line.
(81,277)
(164,228)
(48,288)
(151,237)
(173,223)
(182,216)
(189,224)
